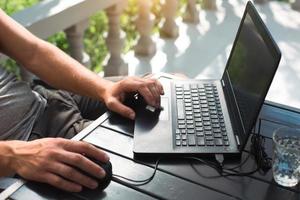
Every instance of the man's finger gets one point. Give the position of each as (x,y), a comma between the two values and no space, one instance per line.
(72,174)
(83,163)
(87,149)
(120,108)
(61,183)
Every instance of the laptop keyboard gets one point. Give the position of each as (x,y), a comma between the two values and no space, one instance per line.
(200,121)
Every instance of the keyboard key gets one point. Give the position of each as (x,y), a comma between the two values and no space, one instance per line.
(226,143)
(178,137)
(199,129)
(225,138)
(217,130)
(181,121)
(209,137)
(215,125)
(198,119)
(183,131)
(216,121)
(204,110)
(191,140)
(214,116)
(207,133)
(191,131)
(196,106)
(199,133)
(218,135)
(194,98)
(184,143)
(210,143)
(180,109)
(196,102)
(189,121)
(197,115)
(206,119)
(183,137)
(206,123)
(205,114)
(179,97)
(188,108)
(198,124)
(181,126)
(189,117)
(213,112)
(188,104)
(219,142)
(190,126)
(197,111)
(177,131)
(189,113)
(178,142)
(207,128)
(200,141)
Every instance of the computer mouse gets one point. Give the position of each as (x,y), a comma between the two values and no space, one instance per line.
(107,167)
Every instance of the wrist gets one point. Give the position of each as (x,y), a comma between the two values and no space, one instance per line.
(7,159)
(104,89)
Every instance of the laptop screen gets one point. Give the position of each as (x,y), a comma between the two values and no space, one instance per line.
(250,69)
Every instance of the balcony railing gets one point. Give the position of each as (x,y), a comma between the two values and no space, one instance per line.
(51,16)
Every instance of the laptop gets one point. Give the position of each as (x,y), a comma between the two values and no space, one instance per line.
(213,116)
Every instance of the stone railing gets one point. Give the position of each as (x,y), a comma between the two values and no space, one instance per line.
(51,16)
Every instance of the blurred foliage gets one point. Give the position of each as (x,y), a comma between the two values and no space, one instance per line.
(94,39)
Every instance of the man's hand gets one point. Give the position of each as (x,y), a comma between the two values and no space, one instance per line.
(56,161)
(150,89)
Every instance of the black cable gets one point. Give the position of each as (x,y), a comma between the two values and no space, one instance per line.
(139,182)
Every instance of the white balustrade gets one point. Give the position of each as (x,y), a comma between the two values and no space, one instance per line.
(296,5)
(75,36)
(209,4)
(115,42)
(191,14)
(169,28)
(144,23)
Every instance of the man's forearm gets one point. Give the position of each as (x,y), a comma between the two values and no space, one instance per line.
(47,61)
(63,72)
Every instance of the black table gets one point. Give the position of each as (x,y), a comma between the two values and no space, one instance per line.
(175,178)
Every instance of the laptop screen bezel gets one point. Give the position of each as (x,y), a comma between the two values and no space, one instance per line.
(235,116)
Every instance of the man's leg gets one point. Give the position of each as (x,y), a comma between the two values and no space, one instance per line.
(62,117)
(66,114)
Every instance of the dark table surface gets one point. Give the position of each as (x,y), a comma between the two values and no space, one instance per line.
(176,178)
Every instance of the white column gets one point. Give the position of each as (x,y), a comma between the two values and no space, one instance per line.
(209,4)
(191,14)
(296,5)
(169,28)
(260,1)
(75,35)
(115,42)
(144,24)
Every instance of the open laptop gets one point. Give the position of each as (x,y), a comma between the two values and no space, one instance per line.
(213,116)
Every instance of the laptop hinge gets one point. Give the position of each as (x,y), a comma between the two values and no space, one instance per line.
(237,140)
(223,84)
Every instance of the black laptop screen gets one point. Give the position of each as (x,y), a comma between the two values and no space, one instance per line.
(250,70)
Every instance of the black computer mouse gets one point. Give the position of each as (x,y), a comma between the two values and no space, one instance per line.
(104,182)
